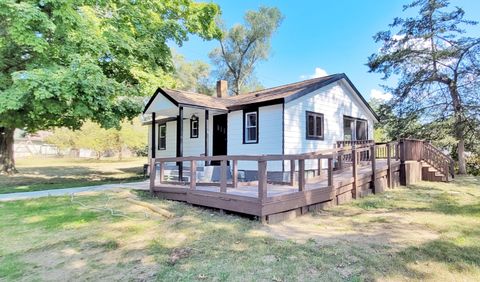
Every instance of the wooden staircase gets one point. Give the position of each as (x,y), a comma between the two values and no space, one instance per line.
(429,173)
(436,165)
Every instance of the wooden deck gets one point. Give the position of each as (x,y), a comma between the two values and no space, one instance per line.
(352,172)
(360,173)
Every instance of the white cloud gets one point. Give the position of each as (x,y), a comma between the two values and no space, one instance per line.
(319,72)
(380,95)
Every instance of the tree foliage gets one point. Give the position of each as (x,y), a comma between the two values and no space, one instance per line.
(192,75)
(437,67)
(63,62)
(132,135)
(243,46)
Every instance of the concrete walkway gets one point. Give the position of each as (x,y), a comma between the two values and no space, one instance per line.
(143,185)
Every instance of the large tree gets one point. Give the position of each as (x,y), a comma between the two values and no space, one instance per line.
(243,46)
(63,62)
(437,68)
(192,75)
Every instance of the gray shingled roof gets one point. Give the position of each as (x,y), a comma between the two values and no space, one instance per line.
(284,93)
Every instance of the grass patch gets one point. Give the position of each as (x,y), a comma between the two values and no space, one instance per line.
(55,173)
(426,232)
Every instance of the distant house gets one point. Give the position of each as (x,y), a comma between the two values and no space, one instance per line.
(300,117)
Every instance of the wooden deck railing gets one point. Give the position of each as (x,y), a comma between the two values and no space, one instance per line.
(362,154)
(367,153)
(438,159)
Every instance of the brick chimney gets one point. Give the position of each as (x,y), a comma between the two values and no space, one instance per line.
(222,89)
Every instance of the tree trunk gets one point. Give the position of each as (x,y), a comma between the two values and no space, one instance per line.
(459,127)
(7,161)
(120,153)
(462,166)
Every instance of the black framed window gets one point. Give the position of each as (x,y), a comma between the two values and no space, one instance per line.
(162,136)
(194,127)
(250,127)
(355,129)
(315,126)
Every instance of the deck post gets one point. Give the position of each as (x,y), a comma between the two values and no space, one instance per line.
(403,176)
(340,160)
(234,173)
(389,166)
(162,171)
(330,180)
(319,168)
(180,142)
(355,193)
(193,175)
(223,176)
(446,170)
(301,175)
(153,174)
(206,135)
(374,171)
(292,172)
(154,146)
(262,180)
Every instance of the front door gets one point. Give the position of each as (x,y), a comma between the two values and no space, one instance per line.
(219,135)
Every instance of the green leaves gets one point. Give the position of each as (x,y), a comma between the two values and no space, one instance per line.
(63,62)
(243,46)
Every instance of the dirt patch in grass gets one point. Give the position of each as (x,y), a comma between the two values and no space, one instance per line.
(326,228)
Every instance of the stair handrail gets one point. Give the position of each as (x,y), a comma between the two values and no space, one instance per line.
(436,163)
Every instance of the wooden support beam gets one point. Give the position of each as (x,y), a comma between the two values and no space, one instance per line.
(235,173)
(340,160)
(206,134)
(330,180)
(355,192)
(153,174)
(154,145)
(402,153)
(319,168)
(162,171)
(301,175)
(292,172)
(262,180)
(193,175)
(374,166)
(223,176)
(389,166)
(180,142)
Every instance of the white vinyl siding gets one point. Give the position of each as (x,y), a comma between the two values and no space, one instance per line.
(333,101)
(269,136)
(191,146)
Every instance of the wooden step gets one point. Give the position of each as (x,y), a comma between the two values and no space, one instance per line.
(429,173)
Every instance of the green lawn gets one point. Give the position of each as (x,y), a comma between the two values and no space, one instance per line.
(55,173)
(427,232)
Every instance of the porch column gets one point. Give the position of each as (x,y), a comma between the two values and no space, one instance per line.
(154,146)
(180,141)
(206,135)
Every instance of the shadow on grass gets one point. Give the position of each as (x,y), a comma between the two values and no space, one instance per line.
(458,257)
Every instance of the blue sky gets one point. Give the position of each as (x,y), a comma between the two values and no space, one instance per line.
(330,36)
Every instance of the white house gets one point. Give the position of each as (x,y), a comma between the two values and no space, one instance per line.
(300,117)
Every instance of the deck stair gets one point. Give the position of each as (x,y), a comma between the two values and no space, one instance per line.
(430,173)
